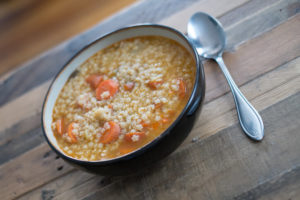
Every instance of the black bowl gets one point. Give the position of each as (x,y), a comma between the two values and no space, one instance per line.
(161,146)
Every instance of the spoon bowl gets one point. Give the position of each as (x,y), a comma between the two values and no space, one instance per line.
(208,36)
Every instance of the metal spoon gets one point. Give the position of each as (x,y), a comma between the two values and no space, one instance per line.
(208,36)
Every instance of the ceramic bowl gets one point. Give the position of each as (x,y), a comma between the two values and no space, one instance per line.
(161,146)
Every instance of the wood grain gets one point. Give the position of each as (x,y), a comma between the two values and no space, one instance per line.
(29,27)
(284,186)
(212,7)
(27,106)
(64,183)
(28,171)
(262,16)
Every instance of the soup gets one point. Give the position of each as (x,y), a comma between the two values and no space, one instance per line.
(123,97)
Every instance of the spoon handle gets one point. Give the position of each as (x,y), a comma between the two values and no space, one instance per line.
(249,118)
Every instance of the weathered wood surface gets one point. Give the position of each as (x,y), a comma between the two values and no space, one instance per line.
(31,26)
(216,161)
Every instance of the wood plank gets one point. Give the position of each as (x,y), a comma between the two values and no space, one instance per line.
(222,166)
(16,146)
(251,14)
(8,9)
(20,128)
(25,25)
(28,171)
(38,92)
(26,106)
(284,186)
(268,14)
(46,65)
(225,117)
(213,7)
(67,182)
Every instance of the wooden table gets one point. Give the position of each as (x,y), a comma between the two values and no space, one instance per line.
(28,27)
(216,161)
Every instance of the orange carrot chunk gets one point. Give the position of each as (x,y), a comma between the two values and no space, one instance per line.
(154,84)
(60,126)
(144,124)
(107,89)
(134,136)
(111,134)
(155,125)
(182,88)
(71,133)
(94,80)
(129,86)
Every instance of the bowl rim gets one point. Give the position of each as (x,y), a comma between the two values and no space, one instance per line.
(199,75)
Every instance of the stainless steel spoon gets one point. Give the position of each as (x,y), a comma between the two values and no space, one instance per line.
(208,36)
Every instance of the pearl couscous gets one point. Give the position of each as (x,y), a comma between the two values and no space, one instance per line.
(123,97)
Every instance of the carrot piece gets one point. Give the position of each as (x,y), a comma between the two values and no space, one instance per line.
(182,88)
(129,136)
(129,86)
(111,134)
(144,124)
(70,132)
(110,86)
(60,126)
(110,106)
(154,84)
(94,80)
(155,125)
